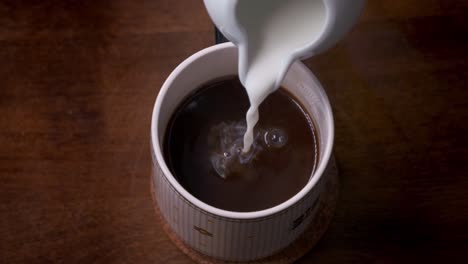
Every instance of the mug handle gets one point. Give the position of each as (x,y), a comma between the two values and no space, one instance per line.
(219,37)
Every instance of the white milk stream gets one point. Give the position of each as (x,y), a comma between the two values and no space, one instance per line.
(270,35)
(275,30)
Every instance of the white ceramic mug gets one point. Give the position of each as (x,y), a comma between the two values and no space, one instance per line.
(227,235)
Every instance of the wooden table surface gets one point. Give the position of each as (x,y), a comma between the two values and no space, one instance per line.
(78,80)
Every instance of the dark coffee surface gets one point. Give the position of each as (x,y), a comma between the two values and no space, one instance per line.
(274,175)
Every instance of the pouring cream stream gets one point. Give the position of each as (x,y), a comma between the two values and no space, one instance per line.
(271,34)
(274,30)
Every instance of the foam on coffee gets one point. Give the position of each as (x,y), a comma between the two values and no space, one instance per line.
(227,140)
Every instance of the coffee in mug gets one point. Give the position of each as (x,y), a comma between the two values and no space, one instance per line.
(204,139)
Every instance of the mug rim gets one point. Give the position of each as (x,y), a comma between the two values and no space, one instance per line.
(156,146)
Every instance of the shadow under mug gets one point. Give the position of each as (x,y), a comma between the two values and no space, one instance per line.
(227,235)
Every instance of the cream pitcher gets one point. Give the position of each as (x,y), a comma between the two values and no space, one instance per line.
(317,24)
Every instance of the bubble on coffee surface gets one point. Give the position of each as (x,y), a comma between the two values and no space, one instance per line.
(275,138)
(227,140)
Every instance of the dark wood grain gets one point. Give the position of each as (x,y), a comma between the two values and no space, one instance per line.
(78,80)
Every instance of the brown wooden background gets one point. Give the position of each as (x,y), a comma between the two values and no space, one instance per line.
(78,80)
